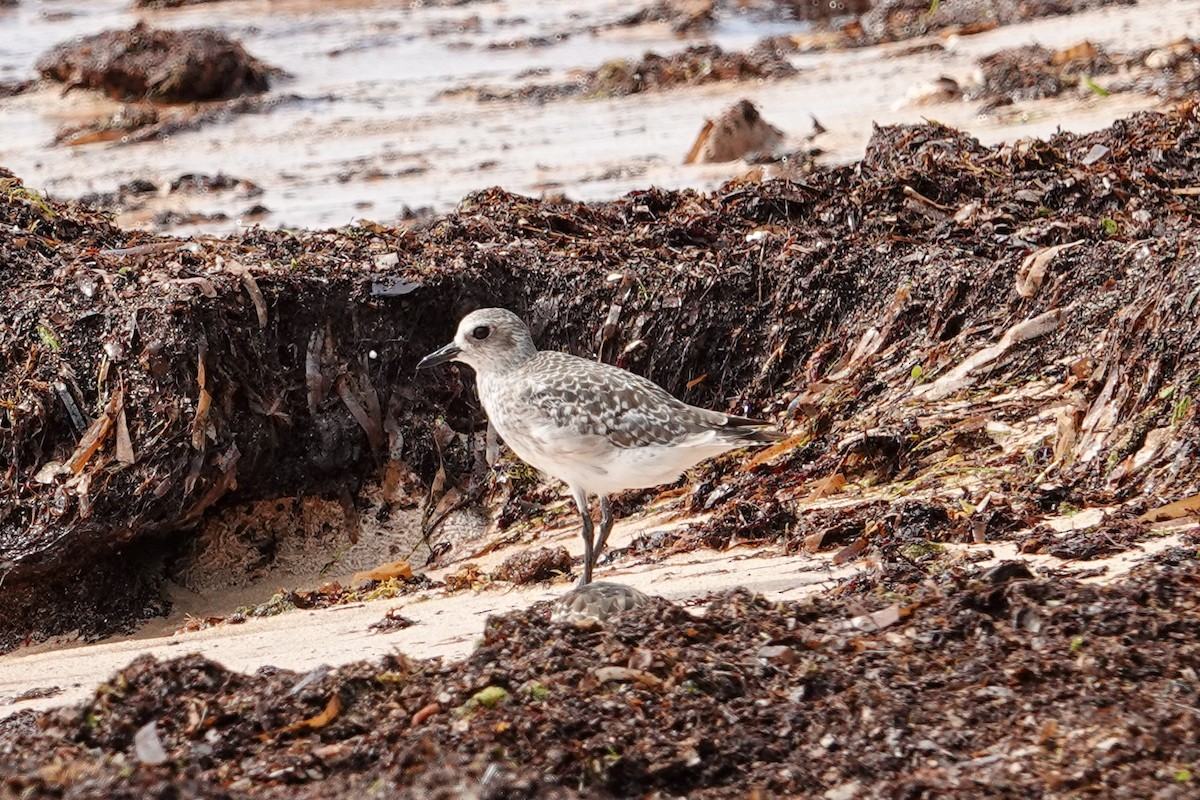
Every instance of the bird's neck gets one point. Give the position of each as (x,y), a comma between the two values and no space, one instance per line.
(499,368)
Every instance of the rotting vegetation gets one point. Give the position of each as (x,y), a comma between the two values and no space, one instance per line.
(1033,72)
(856,23)
(862,22)
(893,20)
(166,80)
(979,684)
(962,339)
(158,65)
(695,66)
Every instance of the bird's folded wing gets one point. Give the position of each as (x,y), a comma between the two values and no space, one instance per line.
(624,409)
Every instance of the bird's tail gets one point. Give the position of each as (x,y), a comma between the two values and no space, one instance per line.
(750,431)
(761,435)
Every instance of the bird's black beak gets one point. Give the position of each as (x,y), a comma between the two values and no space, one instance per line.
(441,356)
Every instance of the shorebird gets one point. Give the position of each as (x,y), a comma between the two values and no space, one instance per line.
(597,428)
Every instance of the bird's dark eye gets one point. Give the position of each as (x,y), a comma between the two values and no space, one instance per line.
(481,332)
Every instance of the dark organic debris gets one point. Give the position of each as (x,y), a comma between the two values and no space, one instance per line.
(892,20)
(14,88)
(685,16)
(120,125)
(170,3)
(141,122)
(1084,544)
(532,566)
(854,23)
(1174,69)
(908,318)
(699,64)
(138,193)
(980,685)
(162,66)
(1033,72)
(200,183)
(392,621)
(820,10)
(688,17)
(39,693)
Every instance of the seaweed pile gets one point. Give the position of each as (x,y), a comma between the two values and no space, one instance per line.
(979,685)
(998,331)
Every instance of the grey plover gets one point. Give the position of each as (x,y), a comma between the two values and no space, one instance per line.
(597,428)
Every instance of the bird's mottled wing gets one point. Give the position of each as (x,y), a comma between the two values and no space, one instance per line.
(594,399)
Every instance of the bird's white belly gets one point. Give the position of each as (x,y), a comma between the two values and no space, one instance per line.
(599,468)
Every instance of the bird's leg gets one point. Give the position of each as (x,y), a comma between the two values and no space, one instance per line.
(588,534)
(606,523)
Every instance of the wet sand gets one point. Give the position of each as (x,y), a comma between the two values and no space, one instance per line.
(448,624)
(366,134)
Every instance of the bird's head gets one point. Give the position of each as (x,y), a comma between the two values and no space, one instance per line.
(489,340)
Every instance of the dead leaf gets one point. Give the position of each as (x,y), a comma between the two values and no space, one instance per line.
(763,456)
(468,576)
(1033,269)
(314,379)
(370,424)
(850,551)
(225,482)
(877,620)
(1048,733)
(826,486)
(1180,508)
(331,751)
(392,569)
(425,713)
(1068,421)
(961,376)
(812,542)
(256,295)
(50,471)
(332,709)
(1083,51)
(125,452)
(96,433)
(625,674)
(200,420)
(205,286)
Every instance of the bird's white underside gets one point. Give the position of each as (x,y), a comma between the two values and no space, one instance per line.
(590,463)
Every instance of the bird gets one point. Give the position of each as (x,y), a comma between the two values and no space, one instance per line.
(596,427)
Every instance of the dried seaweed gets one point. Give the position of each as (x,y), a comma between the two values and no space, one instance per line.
(981,684)
(843,305)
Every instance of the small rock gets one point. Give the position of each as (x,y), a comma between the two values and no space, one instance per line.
(147,746)
(738,132)
(847,791)
(779,654)
(596,602)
